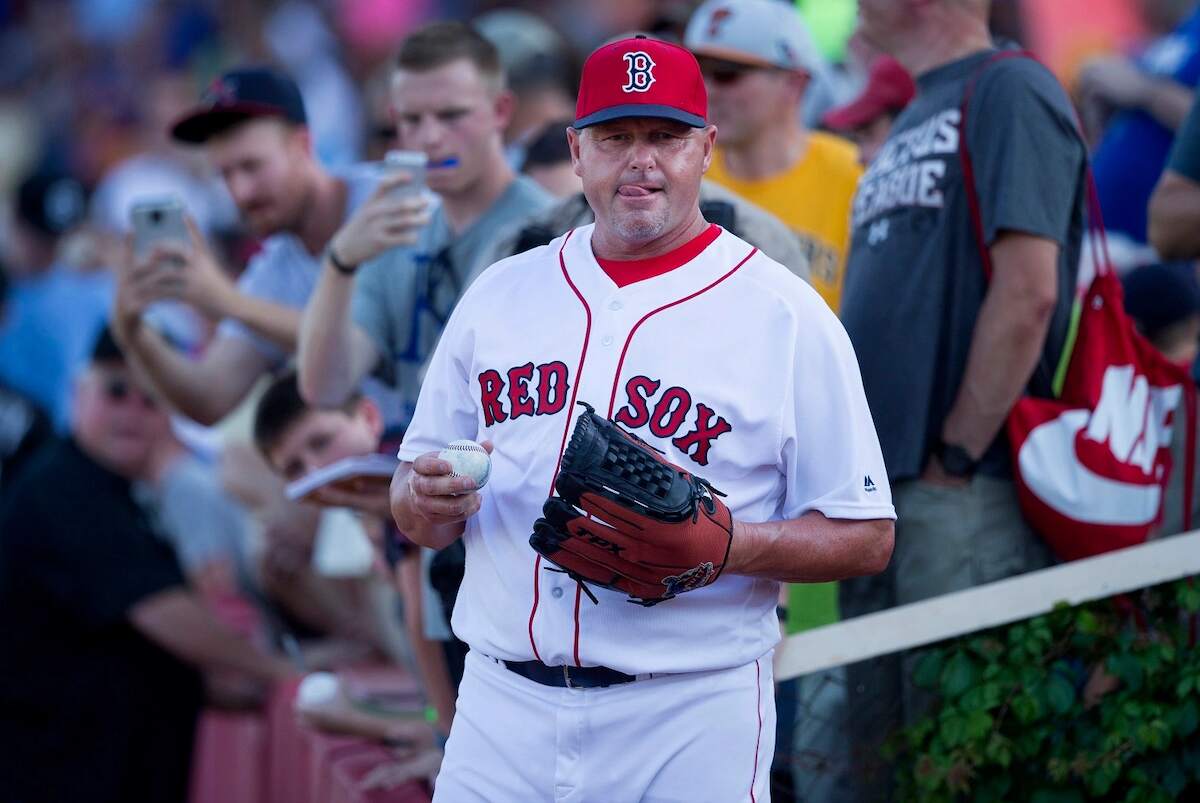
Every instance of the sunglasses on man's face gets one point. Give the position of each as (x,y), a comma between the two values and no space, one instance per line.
(725,73)
(118,389)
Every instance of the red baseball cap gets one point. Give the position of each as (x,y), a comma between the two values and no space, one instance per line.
(889,89)
(641,77)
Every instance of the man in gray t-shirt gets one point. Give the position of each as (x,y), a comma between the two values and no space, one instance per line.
(944,352)
(918,283)
(403,298)
(395,270)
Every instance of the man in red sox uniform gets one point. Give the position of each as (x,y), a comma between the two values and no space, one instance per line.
(712,353)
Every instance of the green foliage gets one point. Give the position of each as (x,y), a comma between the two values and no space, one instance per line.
(1082,704)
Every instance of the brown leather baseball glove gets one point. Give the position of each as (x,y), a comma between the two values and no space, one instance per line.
(627,519)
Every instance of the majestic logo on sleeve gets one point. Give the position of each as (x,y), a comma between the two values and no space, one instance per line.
(640,69)
(670,411)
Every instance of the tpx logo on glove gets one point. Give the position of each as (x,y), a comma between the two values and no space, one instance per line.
(599,542)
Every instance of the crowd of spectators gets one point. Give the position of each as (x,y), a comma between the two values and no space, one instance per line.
(154,402)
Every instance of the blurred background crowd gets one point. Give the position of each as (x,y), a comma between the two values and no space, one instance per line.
(89,93)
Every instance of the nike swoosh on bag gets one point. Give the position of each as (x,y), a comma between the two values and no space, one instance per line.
(1052,470)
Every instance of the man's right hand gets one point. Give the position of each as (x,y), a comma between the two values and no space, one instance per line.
(434,495)
(140,282)
(383,222)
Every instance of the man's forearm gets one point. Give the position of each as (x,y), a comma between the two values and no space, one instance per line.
(810,549)
(427,654)
(187,385)
(1175,217)
(1009,336)
(415,527)
(180,624)
(1168,102)
(275,322)
(334,354)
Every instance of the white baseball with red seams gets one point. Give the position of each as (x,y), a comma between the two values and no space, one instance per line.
(467,459)
(729,364)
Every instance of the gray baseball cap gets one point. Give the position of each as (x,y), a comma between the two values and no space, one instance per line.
(765,33)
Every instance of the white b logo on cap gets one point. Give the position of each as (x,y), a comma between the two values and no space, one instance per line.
(640,68)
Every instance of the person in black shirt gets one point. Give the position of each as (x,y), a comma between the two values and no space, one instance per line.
(23,425)
(100,688)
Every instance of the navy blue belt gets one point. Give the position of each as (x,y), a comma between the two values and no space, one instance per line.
(568,677)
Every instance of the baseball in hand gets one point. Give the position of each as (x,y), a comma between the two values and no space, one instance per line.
(468,459)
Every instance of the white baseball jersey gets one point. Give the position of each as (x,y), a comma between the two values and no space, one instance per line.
(732,366)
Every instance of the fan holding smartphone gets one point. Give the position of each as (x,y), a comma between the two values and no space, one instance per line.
(171,260)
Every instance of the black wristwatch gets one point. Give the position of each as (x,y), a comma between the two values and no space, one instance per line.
(955,460)
(338,265)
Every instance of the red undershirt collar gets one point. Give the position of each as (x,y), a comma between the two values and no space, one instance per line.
(626,272)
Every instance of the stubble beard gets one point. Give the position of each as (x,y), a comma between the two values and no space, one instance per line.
(640,227)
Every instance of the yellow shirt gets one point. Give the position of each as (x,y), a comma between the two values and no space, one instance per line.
(813,198)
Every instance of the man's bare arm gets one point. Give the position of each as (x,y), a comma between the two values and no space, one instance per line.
(811,548)
(275,322)
(205,390)
(334,353)
(176,620)
(430,507)
(1175,217)
(1008,340)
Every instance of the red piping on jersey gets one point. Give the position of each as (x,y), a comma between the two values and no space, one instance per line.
(616,381)
(621,363)
(578,596)
(537,564)
(758,738)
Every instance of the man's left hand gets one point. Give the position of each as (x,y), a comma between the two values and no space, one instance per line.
(202,282)
(935,474)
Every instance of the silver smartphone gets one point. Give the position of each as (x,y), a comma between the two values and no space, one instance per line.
(411,162)
(157,220)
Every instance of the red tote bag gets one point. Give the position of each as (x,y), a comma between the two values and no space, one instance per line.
(1091,465)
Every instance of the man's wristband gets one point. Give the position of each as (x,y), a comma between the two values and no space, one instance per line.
(338,265)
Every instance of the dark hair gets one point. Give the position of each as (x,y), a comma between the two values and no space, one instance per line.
(440,43)
(105,348)
(549,147)
(281,407)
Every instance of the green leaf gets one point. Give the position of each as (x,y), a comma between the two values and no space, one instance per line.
(1057,796)
(982,698)
(929,669)
(1184,719)
(1027,708)
(958,675)
(1128,668)
(998,750)
(954,730)
(1059,693)
(993,789)
(1101,779)
(979,725)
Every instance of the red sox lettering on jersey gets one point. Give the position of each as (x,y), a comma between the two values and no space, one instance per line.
(506,396)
